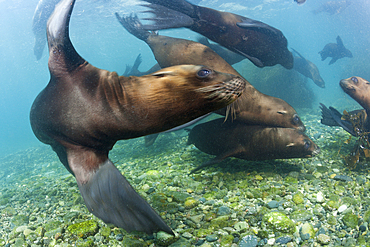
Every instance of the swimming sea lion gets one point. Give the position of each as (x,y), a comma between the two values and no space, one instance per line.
(249,142)
(359,89)
(42,13)
(335,51)
(358,125)
(308,69)
(253,107)
(84,111)
(262,44)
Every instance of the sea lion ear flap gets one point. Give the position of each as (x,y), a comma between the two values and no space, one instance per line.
(282,112)
(290,144)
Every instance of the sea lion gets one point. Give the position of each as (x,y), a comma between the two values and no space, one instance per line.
(332,117)
(84,111)
(42,13)
(335,51)
(308,69)
(359,90)
(253,107)
(249,142)
(262,44)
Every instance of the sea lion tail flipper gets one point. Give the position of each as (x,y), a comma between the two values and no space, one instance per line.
(62,54)
(133,25)
(109,196)
(165,18)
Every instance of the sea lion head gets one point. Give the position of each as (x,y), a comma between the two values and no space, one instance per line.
(358,88)
(202,82)
(299,145)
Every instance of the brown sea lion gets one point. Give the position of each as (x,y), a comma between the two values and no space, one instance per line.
(335,51)
(249,142)
(253,107)
(262,44)
(359,89)
(84,111)
(308,69)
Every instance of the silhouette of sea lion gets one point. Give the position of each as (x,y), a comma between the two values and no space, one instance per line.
(335,51)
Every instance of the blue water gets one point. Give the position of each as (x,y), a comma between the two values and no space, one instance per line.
(100,39)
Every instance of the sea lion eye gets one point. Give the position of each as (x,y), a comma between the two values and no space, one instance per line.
(296,119)
(307,144)
(203,73)
(354,79)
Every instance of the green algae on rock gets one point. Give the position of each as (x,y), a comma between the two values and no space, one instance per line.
(84,229)
(350,220)
(279,222)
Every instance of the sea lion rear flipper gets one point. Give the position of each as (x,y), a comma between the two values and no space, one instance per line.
(166,18)
(109,196)
(333,60)
(332,117)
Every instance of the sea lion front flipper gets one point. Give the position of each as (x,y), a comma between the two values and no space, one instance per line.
(258,26)
(110,197)
(150,139)
(333,60)
(62,54)
(216,160)
(254,60)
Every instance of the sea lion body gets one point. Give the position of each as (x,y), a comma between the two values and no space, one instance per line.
(253,107)
(250,142)
(262,44)
(84,110)
(308,69)
(335,51)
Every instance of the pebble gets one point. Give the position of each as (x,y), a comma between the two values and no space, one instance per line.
(283,240)
(343,178)
(187,235)
(342,208)
(248,241)
(362,228)
(273,204)
(320,197)
(119,237)
(211,238)
(223,210)
(323,239)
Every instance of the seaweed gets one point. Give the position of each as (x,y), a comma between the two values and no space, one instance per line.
(362,145)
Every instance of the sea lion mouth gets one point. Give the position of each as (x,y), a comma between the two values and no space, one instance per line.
(229,90)
(316,151)
(347,87)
